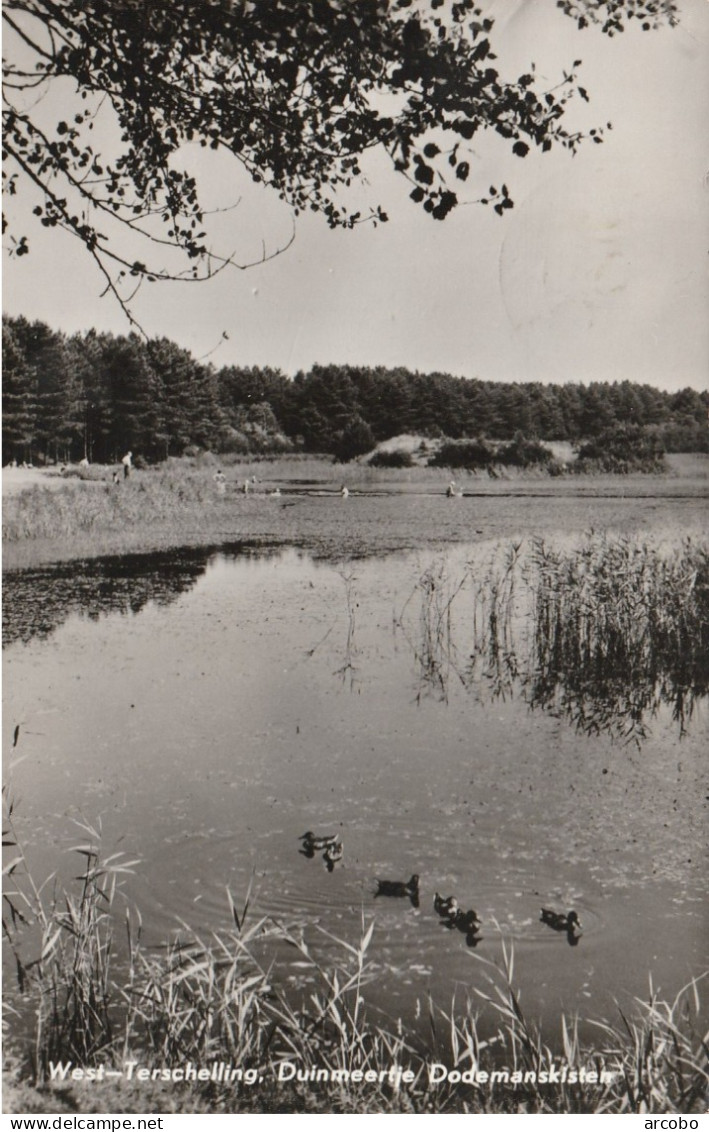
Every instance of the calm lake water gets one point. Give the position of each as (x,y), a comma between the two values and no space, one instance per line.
(210,707)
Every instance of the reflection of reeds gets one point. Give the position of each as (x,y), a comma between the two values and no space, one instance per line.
(433,647)
(494,643)
(215,1000)
(602,634)
(347,670)
(618,630)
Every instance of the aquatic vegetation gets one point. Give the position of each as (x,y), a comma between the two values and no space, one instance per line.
(216,1001)
(348,669)
(618,629)
(432,640)
(168,492)
(602,633)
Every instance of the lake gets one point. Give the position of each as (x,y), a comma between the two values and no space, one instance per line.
(209,707)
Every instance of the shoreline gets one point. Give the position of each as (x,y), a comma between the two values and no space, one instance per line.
(49,519)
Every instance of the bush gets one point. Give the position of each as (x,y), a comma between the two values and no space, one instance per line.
(353,440)
(463,454)
(399,458)
(481,453)
(622,449)
(522,453)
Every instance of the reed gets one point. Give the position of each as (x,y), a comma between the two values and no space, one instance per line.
(431,638)
(94,505)
(217,999)
(603,633)
(619,629)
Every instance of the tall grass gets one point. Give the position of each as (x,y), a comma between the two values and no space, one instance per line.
(619,629)
(432,639)
(603,633)
(164,493)
(178,493)
(215,999)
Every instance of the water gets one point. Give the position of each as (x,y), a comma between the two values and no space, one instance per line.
(210,707)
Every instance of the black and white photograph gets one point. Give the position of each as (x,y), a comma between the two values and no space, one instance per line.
(355,468)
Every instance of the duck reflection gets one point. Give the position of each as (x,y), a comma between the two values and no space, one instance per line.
(400,889)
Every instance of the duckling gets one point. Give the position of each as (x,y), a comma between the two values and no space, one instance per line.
(467,922)
(398,887)
(446,906)
(333,854)
(562,921)
(317,841)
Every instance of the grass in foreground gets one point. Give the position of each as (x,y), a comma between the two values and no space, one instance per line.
(216,1000)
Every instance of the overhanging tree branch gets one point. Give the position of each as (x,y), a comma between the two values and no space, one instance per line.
(296,91)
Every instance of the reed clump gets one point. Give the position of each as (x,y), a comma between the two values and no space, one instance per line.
(431,639)
(85,997)
(618,629)
(603,633)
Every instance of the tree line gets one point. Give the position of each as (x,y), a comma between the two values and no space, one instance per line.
(97,395)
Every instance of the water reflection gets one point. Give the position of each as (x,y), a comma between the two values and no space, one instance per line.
(619,631)
(400,889)
(431,637)
(208,745)
(347,672)
(602,635)
(38,601)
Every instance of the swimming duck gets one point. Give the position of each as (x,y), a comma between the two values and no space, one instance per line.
(333,854)
(317,841)
(468,922)
(562,921)
(398,887)
(446,906)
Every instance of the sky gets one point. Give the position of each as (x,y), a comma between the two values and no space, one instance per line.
(599,273)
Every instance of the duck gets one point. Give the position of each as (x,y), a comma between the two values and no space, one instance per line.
(446,906)
(333,853)
(562,921)
(344,491)
(316,842)
(467,922)
(453,491)
(398,887)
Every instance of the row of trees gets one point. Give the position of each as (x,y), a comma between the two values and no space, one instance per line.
(98,395)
